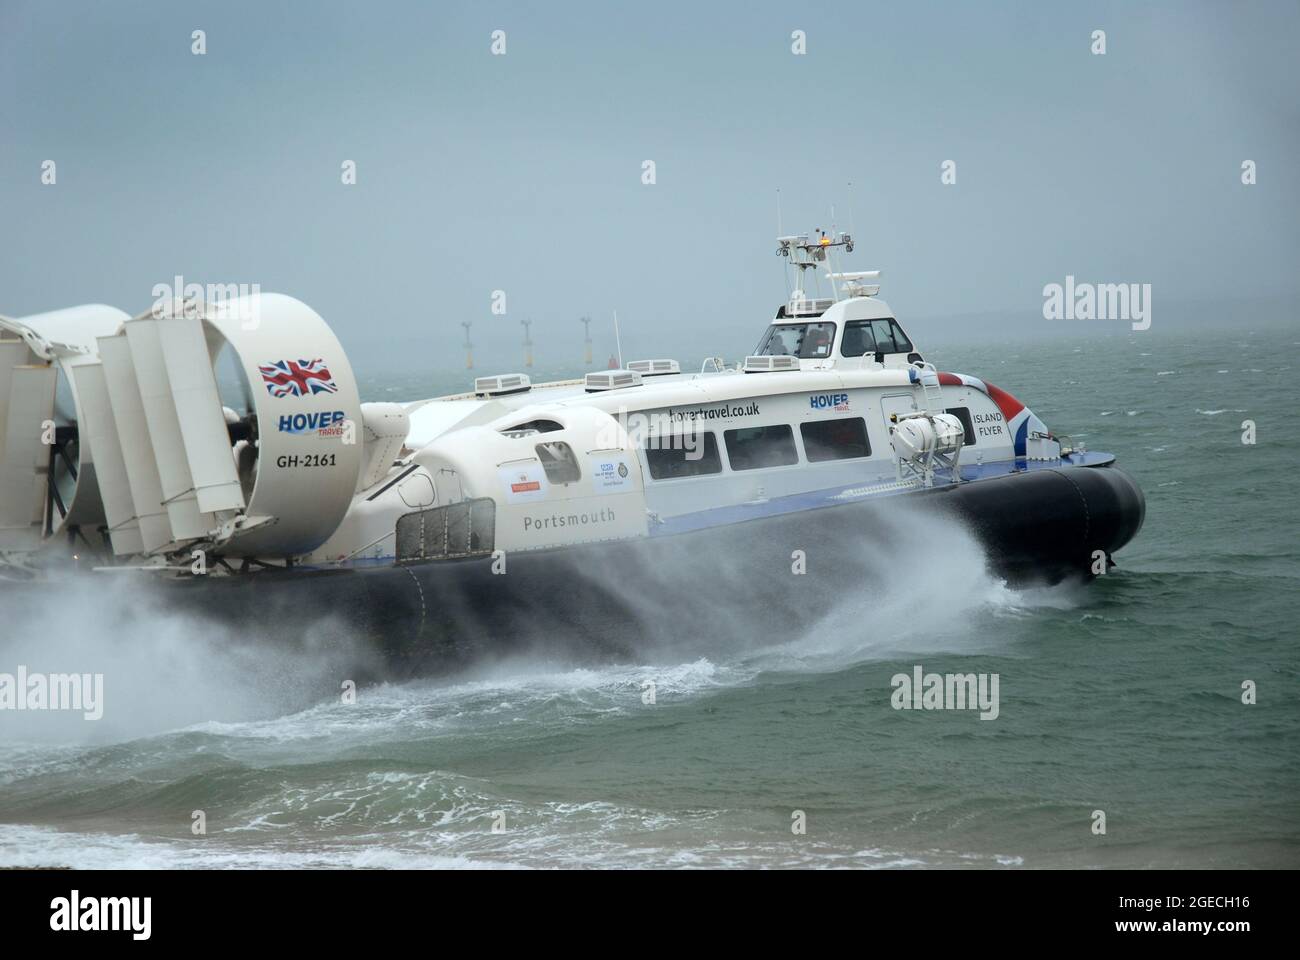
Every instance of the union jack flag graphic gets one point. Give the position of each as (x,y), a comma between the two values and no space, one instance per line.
(297,378)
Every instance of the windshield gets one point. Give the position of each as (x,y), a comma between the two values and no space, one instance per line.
(805,340)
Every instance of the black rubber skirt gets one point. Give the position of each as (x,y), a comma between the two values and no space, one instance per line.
(763,580)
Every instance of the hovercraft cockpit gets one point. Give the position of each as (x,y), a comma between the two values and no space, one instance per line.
(852,332)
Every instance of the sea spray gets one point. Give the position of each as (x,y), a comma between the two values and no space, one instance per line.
(158,668)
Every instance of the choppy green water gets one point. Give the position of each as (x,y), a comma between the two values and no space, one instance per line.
(1124,696)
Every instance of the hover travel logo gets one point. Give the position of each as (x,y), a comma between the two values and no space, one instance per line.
(839,402)
(328,423)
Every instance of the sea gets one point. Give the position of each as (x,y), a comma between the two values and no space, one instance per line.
(1148,719)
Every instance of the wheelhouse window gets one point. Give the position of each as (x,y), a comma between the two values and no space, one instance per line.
(808,341)
(963,414)
(864,337)
(835,439)
(559,462)
(673,456)
(755,447)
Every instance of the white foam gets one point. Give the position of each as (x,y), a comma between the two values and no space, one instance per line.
(37,846)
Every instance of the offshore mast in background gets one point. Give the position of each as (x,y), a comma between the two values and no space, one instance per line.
(586,339)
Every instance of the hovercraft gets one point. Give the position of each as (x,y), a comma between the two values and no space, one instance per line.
(455,526)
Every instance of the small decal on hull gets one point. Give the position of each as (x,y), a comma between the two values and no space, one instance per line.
(610,474)
(523,482)
(328,423)
(297,378)
(989,425)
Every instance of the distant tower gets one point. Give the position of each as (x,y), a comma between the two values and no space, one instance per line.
(469,347)
(586,339)
(528,343)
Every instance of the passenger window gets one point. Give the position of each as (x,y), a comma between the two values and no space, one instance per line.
(835,439)
(558,461)
(756,447)
(682,455)
(963,414)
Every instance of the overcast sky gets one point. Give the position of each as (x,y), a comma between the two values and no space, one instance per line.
(523,172)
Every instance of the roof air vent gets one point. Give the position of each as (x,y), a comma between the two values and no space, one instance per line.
(808,308)
(654,368)
(612,380)
(502,385)
(778,364)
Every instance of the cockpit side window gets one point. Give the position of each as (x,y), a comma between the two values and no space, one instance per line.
(864,337)
(808,341)
(890,337)
(858,339)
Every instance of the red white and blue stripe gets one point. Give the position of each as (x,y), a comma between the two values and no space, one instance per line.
(1020,420)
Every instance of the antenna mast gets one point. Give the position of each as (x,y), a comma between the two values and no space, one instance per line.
(807,253)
